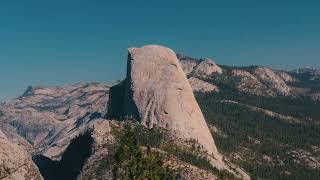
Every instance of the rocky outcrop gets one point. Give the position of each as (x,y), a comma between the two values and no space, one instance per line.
(285,76)
(158,93)
(188,65)
(268,77)
(203,68)
(206,68)
(16,164)
(262,81)
(202,86)
(44,120)
(97,166)
(250,84)
(100,164)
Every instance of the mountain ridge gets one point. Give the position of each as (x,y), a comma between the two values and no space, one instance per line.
(44,120)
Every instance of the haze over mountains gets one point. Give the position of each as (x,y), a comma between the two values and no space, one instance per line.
(157,93)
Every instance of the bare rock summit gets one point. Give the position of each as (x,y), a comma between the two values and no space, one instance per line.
(158,93)
(207,68)
(203,68)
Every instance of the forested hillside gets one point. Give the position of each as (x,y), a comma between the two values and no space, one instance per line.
(259,134)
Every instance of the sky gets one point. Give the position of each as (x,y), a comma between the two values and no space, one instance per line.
(48,43)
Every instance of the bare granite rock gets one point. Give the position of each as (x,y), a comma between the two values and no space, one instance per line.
(263,81)
(203,68)
(16,164)
(202,86)
(285,76)
(45,119)
(251,84)
(158,93)
(188,66)
(206,68)
(268,77)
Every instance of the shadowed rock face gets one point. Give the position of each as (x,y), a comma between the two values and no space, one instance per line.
(71,162)
(158,93)
(16,164)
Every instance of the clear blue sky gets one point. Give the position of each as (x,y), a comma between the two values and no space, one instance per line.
(52,42)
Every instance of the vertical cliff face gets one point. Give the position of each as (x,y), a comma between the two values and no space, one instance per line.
(158,93)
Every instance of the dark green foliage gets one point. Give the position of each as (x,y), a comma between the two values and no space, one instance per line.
(130,158)
(191,156)
(150,137)
(299,106)
(276,136)
(131,162)
(194,155)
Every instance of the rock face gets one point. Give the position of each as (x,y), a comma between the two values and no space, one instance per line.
(158,93)
(44,120)
(202,86)
(16,164)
